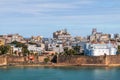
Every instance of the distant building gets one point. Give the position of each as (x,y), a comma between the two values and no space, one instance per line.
(94,31)
(78,38)
(117,36)
(36,39)
(16,37)
(112,36)
(105,37)
(2,42)
(62,35)
(98,36)
(58,48)
(12,37)
(36,49)
(99,49)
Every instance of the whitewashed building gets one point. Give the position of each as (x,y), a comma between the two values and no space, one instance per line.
(55,47)
(36,49)
(99,49)
(16,49)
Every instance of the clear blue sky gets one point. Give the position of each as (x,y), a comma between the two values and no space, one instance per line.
(43,17)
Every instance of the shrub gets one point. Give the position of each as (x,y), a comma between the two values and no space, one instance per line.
(46,60)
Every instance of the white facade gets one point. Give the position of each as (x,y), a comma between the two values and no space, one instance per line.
(34,48)
(100,49)
(18,49)
(56,47)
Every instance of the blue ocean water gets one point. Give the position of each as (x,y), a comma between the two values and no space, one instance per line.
(59,73)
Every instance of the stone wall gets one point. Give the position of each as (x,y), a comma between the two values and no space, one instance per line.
(15,59)
(113,59)
(3,60)
(41,58)
(78,60)
(21,59)
(74,59)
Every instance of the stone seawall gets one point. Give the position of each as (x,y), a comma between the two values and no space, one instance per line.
(90,60)
(15,59)
(3,60)
(21,59)
(66,60)
(113,59)
(79,60)
(9,60)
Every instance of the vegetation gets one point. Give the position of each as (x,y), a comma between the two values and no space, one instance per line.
(32,43)
(25,51)
(46,60)
(69,51)
(18,44)
(4,49)
(77,49)
(118,51)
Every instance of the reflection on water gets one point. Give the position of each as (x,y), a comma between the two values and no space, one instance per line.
(59,73)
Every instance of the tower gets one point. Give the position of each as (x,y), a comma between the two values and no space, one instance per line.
(94,31)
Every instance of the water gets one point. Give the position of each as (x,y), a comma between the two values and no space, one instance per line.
(61,73)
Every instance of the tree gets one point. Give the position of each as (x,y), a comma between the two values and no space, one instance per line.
(77,49)
(69,51)
(25,50)
(72,52)
(118,50)
(4,49)
(46,60)
(66,51)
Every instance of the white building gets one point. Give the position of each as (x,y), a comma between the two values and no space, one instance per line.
(16,49)
(56,47)
(35,49)
(99,49)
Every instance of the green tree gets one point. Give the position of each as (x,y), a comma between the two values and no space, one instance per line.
(77,49)
(118,50)
(4,49)
(69,51)
(46,60)
(25,50)
(72,52)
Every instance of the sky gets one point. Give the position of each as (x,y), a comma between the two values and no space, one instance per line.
(43,17)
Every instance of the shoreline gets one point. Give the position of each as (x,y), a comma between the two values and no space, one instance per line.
(62,65)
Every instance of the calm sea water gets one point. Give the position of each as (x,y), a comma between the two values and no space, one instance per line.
(61,73)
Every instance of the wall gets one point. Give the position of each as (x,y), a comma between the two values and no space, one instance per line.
(74,60)
(15,59)
(3,60)
(41,58)
(78,60)
(113,59)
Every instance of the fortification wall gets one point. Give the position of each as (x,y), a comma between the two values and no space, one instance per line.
(3,60)
(113,59)
(78,60)
(73,60)
(15,59)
